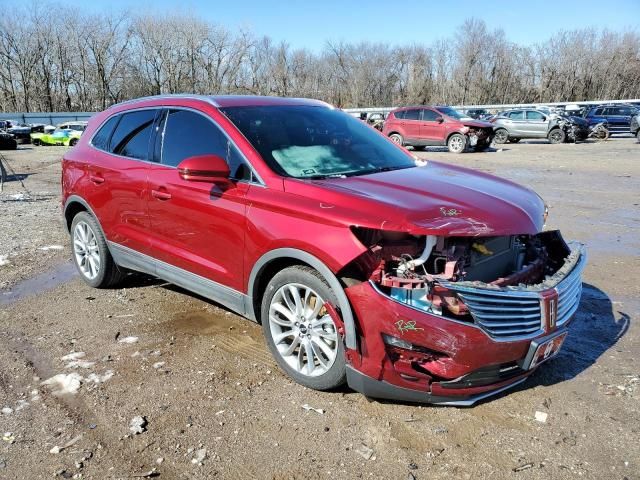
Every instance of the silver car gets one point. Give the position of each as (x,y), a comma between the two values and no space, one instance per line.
(514,125)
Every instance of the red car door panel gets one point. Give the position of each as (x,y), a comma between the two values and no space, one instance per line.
(117,180)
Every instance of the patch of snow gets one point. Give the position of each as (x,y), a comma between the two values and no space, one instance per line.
(51,247)
(128,340)
(63,383)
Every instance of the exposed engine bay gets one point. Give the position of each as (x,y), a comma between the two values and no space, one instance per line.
(416,269)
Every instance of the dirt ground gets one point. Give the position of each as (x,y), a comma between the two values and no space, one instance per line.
(217,405)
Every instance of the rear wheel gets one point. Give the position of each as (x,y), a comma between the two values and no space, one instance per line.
(91,255)
(556,136)
(73,142)
(397,138)
(419,148)
(457,143)
(299,331)
(501,136)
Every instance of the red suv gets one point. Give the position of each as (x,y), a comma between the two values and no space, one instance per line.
(406,279)
(419,127)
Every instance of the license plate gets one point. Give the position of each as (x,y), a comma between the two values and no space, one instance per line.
(547,349)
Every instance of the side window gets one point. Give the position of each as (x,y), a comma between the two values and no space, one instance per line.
(399,115)
(533,115)
(517,115)
(101,138)
(598,111)
(412,114)
(429,115)
(131,136)
(623,111)
(187,134)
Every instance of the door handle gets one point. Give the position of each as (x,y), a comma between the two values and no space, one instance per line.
(160,195)
(97,179)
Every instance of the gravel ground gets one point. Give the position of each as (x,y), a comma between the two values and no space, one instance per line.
(216,405)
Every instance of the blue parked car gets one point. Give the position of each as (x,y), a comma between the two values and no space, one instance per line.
(618,117)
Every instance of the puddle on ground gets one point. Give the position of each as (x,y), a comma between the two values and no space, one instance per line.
(230,332)
(38,284)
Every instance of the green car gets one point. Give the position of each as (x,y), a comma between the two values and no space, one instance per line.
(60,136)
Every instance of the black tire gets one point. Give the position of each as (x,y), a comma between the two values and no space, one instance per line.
(73,142)
(3,174)
(638,135)
(501,136)
(109,274)
(457,143)
(305,276)
(397,139)
(419,148)
(36,142)
(556,136)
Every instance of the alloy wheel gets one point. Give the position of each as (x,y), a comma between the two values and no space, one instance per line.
(302,330)
(86,250)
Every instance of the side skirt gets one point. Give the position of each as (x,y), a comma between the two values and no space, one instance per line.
(134,260)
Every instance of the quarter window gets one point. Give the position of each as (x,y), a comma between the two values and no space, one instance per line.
(399,114)
(188,134)
(101,138)
(131,136)
(412,114)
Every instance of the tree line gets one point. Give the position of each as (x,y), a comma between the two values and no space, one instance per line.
(86,62)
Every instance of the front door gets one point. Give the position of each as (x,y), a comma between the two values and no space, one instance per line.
(537,124)
(197,227)
(432,131)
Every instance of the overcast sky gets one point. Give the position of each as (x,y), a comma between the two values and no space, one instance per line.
(310,23)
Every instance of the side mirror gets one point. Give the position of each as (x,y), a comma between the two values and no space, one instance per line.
(204,168)
(439,119)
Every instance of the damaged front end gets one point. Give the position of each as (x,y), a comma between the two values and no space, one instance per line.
(459,316)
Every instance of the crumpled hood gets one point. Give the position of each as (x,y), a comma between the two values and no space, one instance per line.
(436,199)
(476,123)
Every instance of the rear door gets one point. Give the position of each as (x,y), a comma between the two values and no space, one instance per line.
(117,188)
(517,123)
(197,227)
(411,124)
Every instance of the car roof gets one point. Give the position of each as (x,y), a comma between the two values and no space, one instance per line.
(223,101)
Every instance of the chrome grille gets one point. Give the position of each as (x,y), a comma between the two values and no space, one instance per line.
(504,314)
(511,314)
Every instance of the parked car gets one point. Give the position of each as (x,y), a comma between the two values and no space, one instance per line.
(477,113)
(421,126)
(410,280)
(617,117)
(20,132)
(75,126)
(516,124)
(60,136)
(635,125)
(7,141)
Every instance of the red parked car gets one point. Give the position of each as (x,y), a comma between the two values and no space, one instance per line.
(408,280)
(421,126)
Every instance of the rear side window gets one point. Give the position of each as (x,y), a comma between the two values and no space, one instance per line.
(101,138)
(531,115)
(518,115)
(412,114)
(187,134)
(131,136)
(429,115)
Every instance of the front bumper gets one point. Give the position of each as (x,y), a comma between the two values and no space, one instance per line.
(469,362)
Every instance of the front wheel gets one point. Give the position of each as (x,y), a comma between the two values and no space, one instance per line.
(91,255)
(397,138)
(638,135)
(73,142)
(556,136)
(299,330)
(457,143)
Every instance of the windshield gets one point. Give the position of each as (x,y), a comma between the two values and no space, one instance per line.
(316,142)
(451,112)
